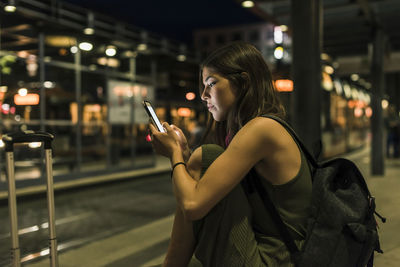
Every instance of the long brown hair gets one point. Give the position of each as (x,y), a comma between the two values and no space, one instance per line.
(244,66)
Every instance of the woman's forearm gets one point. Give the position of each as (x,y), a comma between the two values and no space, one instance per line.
(185,184)
(182,243)
(185,187)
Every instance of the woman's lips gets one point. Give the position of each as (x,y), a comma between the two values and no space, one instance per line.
(210,107)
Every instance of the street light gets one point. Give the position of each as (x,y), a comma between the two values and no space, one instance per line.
(10,7)
(247,4)
(85,46)
(111,51)
(181,58)
(23,92)
(74,49)
(278,53)
(142,47)
(89,30)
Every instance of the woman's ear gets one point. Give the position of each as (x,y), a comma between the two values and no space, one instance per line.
(245,75)
(246,79)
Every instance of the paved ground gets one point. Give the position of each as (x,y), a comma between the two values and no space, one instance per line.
(149,240)
(386,190)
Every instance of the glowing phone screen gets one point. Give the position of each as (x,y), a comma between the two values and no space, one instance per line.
(154,116)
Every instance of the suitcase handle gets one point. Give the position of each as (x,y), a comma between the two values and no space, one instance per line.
(27,137)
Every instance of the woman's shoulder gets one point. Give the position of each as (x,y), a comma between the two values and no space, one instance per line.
(265,121)
(267,133)
(267,127)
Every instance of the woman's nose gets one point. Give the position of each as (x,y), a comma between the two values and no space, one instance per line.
(204,95)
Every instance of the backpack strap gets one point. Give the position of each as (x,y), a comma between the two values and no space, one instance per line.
(303,147)
(253,181)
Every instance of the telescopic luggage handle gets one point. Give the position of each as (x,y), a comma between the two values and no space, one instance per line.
(27,137)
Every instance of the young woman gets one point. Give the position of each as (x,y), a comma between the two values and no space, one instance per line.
(216,222)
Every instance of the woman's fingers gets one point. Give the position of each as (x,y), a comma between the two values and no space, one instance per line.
(167,127)
(177,130)
(152,128)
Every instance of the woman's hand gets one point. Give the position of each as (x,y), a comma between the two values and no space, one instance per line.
(166,144)
(182,142)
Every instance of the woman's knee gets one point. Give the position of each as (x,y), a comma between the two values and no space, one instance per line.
(210,152)
(194,163)
(202,158)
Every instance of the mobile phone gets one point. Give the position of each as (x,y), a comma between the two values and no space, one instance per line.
(152,114)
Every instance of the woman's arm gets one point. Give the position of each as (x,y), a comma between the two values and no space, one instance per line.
(182,243)
(198,197)
(260,139)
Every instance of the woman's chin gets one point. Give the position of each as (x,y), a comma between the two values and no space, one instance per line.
(217,117)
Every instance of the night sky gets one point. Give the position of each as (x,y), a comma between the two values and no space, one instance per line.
(174,19)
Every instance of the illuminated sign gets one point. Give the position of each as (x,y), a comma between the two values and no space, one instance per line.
(184,112)
(284,85)
(190,96)
(29,99)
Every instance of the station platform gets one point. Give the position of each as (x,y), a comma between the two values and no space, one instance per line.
(118,250)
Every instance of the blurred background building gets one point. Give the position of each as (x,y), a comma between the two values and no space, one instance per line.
(80,71)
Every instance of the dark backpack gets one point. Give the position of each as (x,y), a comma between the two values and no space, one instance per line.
(341,229)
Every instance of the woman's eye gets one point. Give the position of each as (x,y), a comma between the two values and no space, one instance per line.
(211,84)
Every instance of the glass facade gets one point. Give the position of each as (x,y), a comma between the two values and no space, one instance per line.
(87,91)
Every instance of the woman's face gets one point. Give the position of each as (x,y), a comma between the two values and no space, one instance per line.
(218,93)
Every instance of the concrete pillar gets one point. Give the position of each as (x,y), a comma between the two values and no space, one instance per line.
(396,85)
(306,20)
(377,74)
(392,84)
(42,101)
(78,97)
(132,71)
(42,78)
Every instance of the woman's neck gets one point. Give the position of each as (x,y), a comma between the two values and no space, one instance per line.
(228,139)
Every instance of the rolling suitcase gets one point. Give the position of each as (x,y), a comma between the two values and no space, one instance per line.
(27,137)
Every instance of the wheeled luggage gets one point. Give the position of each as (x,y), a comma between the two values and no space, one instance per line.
(28,137)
